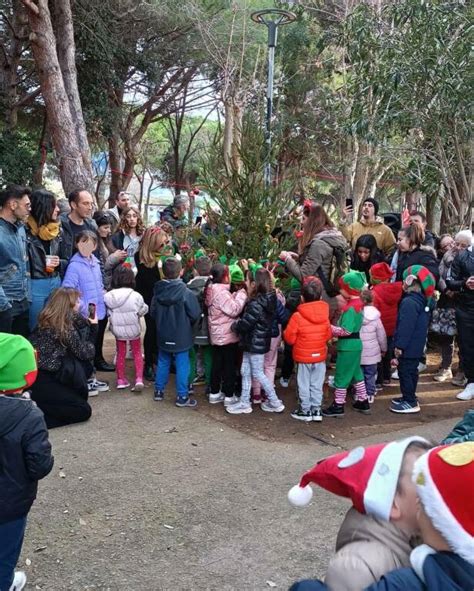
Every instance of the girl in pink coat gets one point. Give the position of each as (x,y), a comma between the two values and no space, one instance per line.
(374,343)
(223,308)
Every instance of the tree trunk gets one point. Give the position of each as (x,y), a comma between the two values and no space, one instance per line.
(74,174)
(115,168)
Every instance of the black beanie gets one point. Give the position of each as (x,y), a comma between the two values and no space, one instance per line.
(374,203)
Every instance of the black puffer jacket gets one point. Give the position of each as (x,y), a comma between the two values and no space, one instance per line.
(25,455)
(255,326)
(461,269)
(423,255)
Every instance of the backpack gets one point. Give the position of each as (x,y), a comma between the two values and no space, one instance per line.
(340,264)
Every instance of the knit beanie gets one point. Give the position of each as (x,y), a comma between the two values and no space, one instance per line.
(18,367)
(353,282)
(425,277)
(374,202)
(380,272)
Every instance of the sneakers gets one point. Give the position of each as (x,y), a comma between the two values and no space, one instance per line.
(228,400)
(199,381)
(330,381)
(362,406)
(138,387)
(96,384)
(459,379)
(371,398)
(284,383)
(186,402)
(442,375)
(422,367)
(335,410)
(395,375)
(300,415)
(91,389)
(158,395)
(467,393)
(216,398)
(19,581)
(239,408)
(272,405)
(404,407)
(122,384)
(316,415)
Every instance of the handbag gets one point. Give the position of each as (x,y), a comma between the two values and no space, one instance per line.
(443,321)
(71,373)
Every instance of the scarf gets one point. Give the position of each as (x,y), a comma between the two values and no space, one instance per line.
(46,232)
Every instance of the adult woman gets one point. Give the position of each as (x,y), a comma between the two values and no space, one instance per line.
(43,237)
(147,261)
(443,245)
(316,247)
(65,343)
(412,252)
(130,231)
(365,254)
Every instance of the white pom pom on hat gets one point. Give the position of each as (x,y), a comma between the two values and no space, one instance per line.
(300,496)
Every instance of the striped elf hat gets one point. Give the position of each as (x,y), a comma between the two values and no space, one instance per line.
(425,277)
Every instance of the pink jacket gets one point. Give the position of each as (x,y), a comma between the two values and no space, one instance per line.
(372,334)
(223,308)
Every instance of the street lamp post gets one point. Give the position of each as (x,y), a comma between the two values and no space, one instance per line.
(272,18)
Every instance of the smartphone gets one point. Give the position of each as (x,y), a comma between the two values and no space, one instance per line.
(91,310)
(349,202)
(198,220)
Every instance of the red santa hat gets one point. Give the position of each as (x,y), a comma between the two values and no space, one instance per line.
(444,479)
(368,476)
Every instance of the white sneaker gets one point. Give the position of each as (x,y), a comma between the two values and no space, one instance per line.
(91,389)
(395,375)
(228,400)
(272,405)
(467,393)
(239,408)
(284,383)
(422,367)
(442,375)
(331,381)
(216,398)
(95,384)
(19,581)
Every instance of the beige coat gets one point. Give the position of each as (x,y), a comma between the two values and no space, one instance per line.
(382,234)
(366,549)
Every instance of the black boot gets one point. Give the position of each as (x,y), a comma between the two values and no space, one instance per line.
(362,406)
(335,410)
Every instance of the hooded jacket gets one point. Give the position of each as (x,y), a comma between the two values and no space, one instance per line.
(309,331)
(25,455)
(412,325)
(223,308)
(423,255)
(255,326)
(124,308)
(373,337)
(201,329)
(366,549)
(84,274)
(383,234)
(387,297)
(175,309)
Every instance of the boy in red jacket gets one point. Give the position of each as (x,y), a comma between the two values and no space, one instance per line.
(387,297)
(308,331)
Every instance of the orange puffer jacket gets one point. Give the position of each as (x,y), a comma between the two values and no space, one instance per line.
(308,331)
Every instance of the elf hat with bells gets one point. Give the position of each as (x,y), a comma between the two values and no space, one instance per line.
(366,475)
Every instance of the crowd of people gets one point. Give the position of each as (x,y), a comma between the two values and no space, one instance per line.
(359,298)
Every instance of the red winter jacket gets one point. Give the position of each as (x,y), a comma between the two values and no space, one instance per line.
(387,296)
(308,331)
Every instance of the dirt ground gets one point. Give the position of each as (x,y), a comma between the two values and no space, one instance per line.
(146,496)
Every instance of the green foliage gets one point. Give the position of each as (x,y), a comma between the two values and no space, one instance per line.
(18,157)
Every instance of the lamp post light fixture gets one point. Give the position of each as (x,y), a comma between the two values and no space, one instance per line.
(272,18)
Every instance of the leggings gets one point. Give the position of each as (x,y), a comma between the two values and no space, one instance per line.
(137,358)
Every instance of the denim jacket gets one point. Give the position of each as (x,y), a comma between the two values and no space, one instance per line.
(14,264)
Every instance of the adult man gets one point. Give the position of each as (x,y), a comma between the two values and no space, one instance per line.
(368,224)
(419,218)
(14,266)
(121,203)
(78,220)
(175,214)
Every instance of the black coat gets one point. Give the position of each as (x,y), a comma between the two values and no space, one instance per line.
(37,251)
(255,326)
(66,246)
(461,269)
(25,455)
(420,256)
(146,279)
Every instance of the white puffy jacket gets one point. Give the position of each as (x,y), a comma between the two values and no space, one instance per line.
(124,308)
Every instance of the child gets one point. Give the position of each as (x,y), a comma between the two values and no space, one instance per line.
(387,297)
(175,309)
(375,536)
(410,334)
(223,308)
(25,453)
(125,307)
(201,353)
(374,343)
(349,347)
(308,332)
(366,254)
(255,332)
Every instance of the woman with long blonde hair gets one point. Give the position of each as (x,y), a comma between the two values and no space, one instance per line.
(153,245)
(65,343)
(130,231)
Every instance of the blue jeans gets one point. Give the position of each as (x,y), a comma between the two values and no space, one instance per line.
(181,360)
(11,541)
(370,378)
(40,292)
(408,376)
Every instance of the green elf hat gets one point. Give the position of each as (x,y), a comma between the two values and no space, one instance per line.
(425,278)
(200,253)
(254,267)
(18,368)
(295,284)
(353,282)
(236,273)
